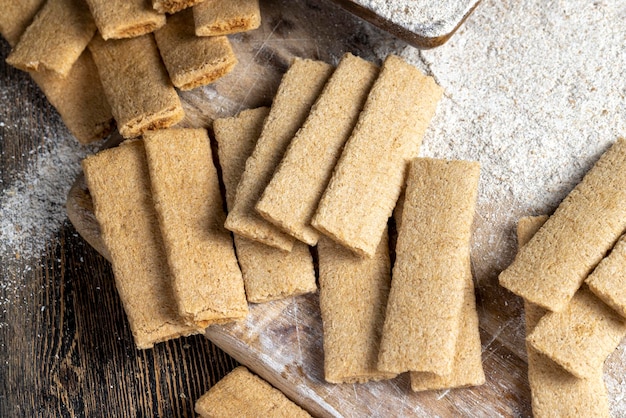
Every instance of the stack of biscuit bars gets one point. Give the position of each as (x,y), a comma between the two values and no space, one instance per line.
(131,78)
(569,274)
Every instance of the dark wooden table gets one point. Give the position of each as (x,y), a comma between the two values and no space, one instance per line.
(66,348)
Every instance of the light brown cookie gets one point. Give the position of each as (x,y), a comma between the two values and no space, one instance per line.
(353,297)
(608,280)
(136,84)
(130,230)
(118,19)
(298,90)
(240,394)
(224,17)
(193,61)
(430,275)
(554,391)
(16,16)
(268,273)
(55,39)
(206,279)
(551,267)
(292,195)
(366,181)
(173,6)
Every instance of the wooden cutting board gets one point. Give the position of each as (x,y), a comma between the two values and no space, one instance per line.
(282,341)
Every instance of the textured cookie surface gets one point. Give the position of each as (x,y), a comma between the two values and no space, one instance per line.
(136,84)
(554,391)
(117,19)
(206,279)
(555,262)
(224,17)
(366,182)
(292,195)
(430,274)
(298,90)
(192,61)
(130,230)
(173,6)
(268,273)
(16,16)
(608,280)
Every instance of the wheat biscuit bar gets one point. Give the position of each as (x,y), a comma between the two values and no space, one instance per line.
(136,84)
(129,226)
(353,298)
(206,279)
(467,368)
(241,394)
(55,39)
(555,262)
(268,273)
(16,16)
(298,90)
(192,61)
(292,195)
(581,336)
(430,274)
(554,391)
(173,6)
(224,17)
(79,98)
(118,19)
(367,179)
(608,279)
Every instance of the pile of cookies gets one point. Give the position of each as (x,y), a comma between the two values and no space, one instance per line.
(570,270)
(103,60)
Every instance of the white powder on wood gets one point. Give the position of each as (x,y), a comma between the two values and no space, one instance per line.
(428,18)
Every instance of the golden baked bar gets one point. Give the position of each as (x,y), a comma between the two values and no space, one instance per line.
(430,275)
(173,6)
(117,19)
(55,39)
(206,279)
(16,16)
(292,195)
(555,262)
(298,90)
(268,273)
(224,17)
(240,394)
(79,98)
(136,84)
(580,337)
(366,181)
(554,391)
(193,61)
(353,297)
(608,280)
(130,230)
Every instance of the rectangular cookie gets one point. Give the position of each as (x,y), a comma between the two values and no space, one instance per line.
(353,297)
(79,98)
(580,337)
(130,230)
(136,84)
(608,280)
(467,367)
(240,394)
(430,274)
(551,267)
(192,61)
(118,19)
(298,90)
(554,391)
(206,279)
(16,16)
(55,39)
(268,273)
(173,6)
(292,195)
(223,17)
(366,182)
